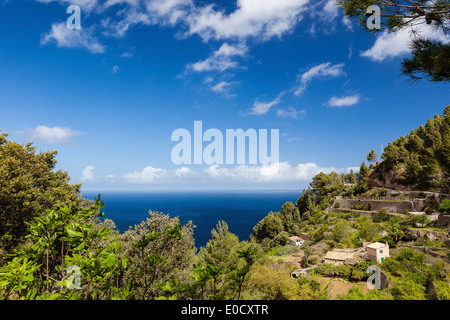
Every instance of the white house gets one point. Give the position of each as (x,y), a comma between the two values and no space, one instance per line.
(377,251)
(296,241)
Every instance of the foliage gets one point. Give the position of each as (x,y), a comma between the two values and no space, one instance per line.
(405,288)
(29,185)
(57,243)
(430,58)
(356,293)
(381,215)
(421,159)
(372,156)
(444,207)
(272,281)
(159,249)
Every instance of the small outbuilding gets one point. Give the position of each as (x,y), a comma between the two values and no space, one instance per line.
(377,251)
(296,241)
(339,257)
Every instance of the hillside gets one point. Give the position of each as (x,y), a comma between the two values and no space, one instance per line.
(418,161)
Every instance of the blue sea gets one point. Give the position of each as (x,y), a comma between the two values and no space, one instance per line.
(241,210)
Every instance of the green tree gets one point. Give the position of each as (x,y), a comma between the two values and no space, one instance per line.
(327,184)
(159,250)
(372,156)
(268,227)
(221,249)
(29,186)
(381,215)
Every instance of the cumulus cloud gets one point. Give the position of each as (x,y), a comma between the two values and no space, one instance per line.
(87,174)
(73,38)
(344,101)
(243,174)
(54,135)
(147,175)
(324,70)
(252,18)
(260,19)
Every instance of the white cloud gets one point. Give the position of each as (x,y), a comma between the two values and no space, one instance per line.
(344,101)
(330,10)
(291,112)
(262,19)
(53,135)
(171,11)
(220,60)
(347,23)
(223,88)
(183,172)
(243,174)
(87,174)
(324,70)
(149,174)
(252,18)
(85,5)
(260,108)
(115,69)
(73,38)
(390,44)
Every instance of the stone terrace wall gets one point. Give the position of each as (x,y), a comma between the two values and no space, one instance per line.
(391,206)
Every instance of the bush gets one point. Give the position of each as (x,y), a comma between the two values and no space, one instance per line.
(394,267)
(407,289)
(382,215)
(281,239)
(444,207)
(313,259)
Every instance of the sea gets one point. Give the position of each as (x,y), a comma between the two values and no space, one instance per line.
(241,210)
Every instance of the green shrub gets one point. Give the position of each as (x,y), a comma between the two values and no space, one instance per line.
(444,207)
(313,259)
(382,215)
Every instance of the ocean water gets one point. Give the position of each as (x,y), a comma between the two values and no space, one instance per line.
(241,210)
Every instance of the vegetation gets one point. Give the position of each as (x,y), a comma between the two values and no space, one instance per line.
(56,245)
(29,186)
(421,159)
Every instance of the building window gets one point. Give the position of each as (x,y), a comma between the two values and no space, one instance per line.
(381,251)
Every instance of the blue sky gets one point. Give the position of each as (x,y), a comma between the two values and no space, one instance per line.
(109,96)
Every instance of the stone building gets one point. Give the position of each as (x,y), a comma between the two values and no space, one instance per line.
(377,251)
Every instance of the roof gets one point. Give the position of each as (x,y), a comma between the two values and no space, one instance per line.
(377,245)
(336,255)
(295,238)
